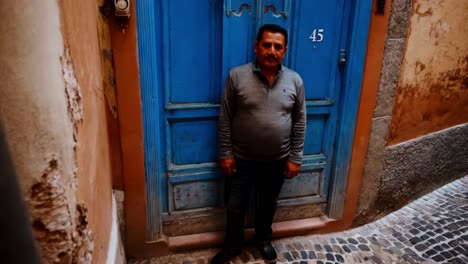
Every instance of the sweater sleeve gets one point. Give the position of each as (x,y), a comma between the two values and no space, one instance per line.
(225,119)
(298,126)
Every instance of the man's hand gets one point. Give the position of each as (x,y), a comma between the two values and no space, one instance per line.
(292,169)
(228,166)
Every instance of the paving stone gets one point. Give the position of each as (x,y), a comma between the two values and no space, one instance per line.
(295,254)
(422,229)
(456,261)
(445,246)
(373,240)
(446,254)
(448,235)
(453,252)
(279,248)
(328,248)
(438,248)
(363,247)
(304,254)
(339,258)
(399,245)
(320,255)
(464,246)
(401,239)
(346,248)
(290,247)
(438,258)
(353,247)
(288,256)
(341,240)
(384,242)
(362,240)
(353,241)
(312,255)
(375,259)
(415,240)
(337,249)
(420,247)
(425,237)
(330,257)
(298,245)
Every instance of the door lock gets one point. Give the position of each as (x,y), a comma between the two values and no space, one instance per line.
(122,8)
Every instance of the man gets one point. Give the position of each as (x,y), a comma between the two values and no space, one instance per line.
(261,129)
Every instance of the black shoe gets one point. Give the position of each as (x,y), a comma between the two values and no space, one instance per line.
(268,251)
(225,255)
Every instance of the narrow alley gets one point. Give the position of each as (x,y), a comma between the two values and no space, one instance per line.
(432,229)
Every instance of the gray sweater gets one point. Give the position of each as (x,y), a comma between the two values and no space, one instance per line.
(259,121)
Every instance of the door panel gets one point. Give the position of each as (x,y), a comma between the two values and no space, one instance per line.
(191,143)
(239,30)
(194,37)
(316,61)
(191,195)
(192,49)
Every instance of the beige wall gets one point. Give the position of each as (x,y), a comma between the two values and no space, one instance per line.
(59,125)
(432,91)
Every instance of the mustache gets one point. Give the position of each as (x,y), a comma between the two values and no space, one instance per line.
(270,57)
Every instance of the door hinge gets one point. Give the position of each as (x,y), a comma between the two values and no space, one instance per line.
(343,56)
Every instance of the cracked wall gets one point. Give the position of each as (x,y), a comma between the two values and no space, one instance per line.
(59,126)
(432,91)
(416,140)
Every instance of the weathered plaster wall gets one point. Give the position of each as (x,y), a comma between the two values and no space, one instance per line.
(419,164)
(33,110)
(432,91)
(59,126)
(97,135)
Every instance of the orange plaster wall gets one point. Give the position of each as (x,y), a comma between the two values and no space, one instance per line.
(130,116)
(432,92)
(370,84)
(93,151)
(131,131)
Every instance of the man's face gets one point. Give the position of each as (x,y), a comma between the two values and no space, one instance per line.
(270,50)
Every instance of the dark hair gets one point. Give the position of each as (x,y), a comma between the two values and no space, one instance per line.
(273,29)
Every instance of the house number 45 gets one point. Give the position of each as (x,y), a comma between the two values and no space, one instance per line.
(317,35)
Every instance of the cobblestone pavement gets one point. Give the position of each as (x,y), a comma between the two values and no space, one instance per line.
(432,229)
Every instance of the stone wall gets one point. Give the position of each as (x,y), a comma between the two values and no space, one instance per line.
(427,155)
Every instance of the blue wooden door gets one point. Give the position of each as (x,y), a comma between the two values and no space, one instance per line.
(198,42)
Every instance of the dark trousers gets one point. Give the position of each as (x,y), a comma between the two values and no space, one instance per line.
(266,177)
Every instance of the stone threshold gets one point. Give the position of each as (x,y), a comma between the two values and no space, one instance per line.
(280,229)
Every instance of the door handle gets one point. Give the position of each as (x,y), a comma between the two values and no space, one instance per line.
(239,13)
(273,8)
(285,13)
